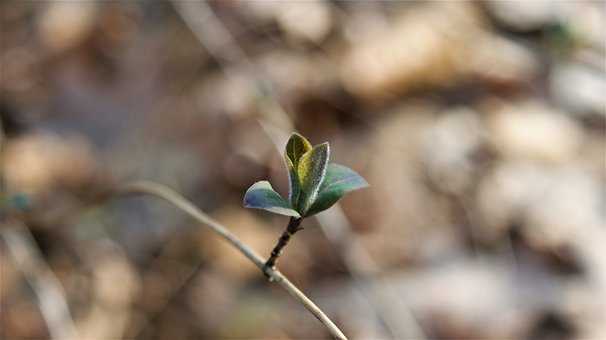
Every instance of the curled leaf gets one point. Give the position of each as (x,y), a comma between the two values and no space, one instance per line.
(294,188)
(295,148)
(338,181)
(261,195)
(311,171)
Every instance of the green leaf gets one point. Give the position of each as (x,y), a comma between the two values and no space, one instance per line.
(338,181)
(293,184)
(262,196)
(295,148)
(311,171)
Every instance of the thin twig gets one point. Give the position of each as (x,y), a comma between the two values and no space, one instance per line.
(291,229)
(53,304)
(157,190)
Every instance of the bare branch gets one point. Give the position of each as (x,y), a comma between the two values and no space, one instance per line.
(157,190)
(53,304)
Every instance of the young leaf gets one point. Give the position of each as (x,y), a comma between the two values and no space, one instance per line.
(262,196)
(311,171)
(295,148)
(293,184)
(338,181)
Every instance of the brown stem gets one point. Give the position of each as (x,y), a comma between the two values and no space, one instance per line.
(291,229)
(180,202)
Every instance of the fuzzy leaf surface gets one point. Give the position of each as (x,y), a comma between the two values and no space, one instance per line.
(294,188)
(311,171)
(261,195)
(338,181)
(295,148)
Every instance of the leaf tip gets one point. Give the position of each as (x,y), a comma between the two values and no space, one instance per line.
(296,135)
(324,145)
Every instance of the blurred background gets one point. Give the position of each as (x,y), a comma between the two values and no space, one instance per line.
(479,125)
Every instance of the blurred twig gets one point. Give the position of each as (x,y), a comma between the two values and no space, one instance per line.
(183,284)
(220,44)
(53,305)
(183,204)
